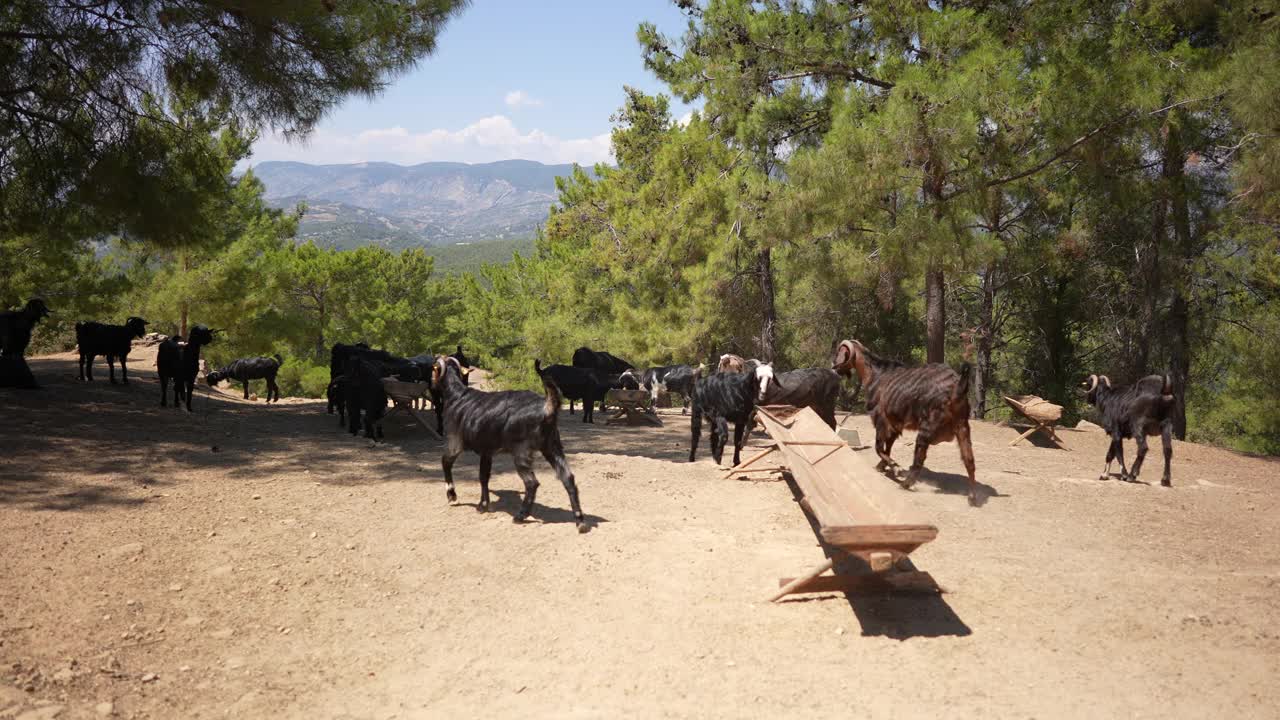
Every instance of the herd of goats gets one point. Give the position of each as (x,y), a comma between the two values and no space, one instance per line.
(932,399)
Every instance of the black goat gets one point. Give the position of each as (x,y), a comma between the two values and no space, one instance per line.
(1134,411)
(815,388)
(246,369)
(585,357)
(181,363)
(111,341)
(933,400)
(513,421)
(724,397)
(668,378)
(461,357)
(336,394)
(365,394)
(15,336)
(583,384)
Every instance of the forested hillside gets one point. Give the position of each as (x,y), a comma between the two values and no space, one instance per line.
(1044,190)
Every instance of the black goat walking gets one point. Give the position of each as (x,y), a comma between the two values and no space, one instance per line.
(246,369)
(181,363)
(15,336)
(518,422)
(111,341)
(1134,411)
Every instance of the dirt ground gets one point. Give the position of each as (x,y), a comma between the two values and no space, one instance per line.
(254,561)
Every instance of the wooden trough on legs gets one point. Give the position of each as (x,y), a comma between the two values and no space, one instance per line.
(403,396)
(858,514)
(634,408)
(1042,413)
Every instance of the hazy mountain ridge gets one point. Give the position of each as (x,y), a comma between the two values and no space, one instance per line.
(427,204)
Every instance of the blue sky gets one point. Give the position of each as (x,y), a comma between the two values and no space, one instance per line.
(509,79)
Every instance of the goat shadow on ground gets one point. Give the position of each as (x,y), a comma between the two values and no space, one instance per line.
(900,616)
(957,484)
(509,501)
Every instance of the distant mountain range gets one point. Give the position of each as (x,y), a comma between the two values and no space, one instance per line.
(396,206)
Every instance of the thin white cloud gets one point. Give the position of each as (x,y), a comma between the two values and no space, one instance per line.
(520,98)
(486,140)
(685,119)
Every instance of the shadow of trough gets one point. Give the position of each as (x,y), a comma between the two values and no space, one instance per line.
(881,612)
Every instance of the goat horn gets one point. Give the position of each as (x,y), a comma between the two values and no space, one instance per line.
(1106,380)
(1093,383)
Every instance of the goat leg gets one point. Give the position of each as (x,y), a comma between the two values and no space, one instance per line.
(917,464)
(111,369)
(446,463)
(1166,436)
(554,455)
(695,431)
(246,389)
(1141,439)
(737,442)
(964,440)
(1124,472)
(1111,455)
(124,371)
(486,468)
(524,468)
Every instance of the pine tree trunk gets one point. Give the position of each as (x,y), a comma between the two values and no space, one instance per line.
(935,310)
(986,332)
(769,312)
(184,307)
(1180,313)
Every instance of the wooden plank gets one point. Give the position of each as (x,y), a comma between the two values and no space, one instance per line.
(864,536)
(902,582)
(842,488)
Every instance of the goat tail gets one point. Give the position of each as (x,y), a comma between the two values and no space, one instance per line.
(550,408)
(962,387)
(1167,387)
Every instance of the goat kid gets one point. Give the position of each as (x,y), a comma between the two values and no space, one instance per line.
(111,341)
(1134,411)
(933,400)
(518,422)
(246,369)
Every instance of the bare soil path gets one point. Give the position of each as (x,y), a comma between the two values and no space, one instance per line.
(296,572)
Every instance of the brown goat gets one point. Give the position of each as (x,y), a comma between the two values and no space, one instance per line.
(934,400)
(731,363)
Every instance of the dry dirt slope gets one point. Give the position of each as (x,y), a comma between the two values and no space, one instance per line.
(298,573)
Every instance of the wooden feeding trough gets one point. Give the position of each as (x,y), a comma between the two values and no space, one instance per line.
(403,396)
(634,408)
(857,513)
(1042,413)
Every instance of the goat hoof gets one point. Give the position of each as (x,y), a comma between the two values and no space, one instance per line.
(482,507)
(451,496)
(1166,483)
(582,526)
(1103,477)
(519,518)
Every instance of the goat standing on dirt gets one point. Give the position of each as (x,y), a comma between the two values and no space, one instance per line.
(1134,411)
(933,399)
(518,422)
(181,363)
(724,397)
(15,335)
(111,341)
(246,369)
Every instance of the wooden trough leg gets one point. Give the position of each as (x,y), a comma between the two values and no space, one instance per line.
(915,582)
(1025,435)
(794,583)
